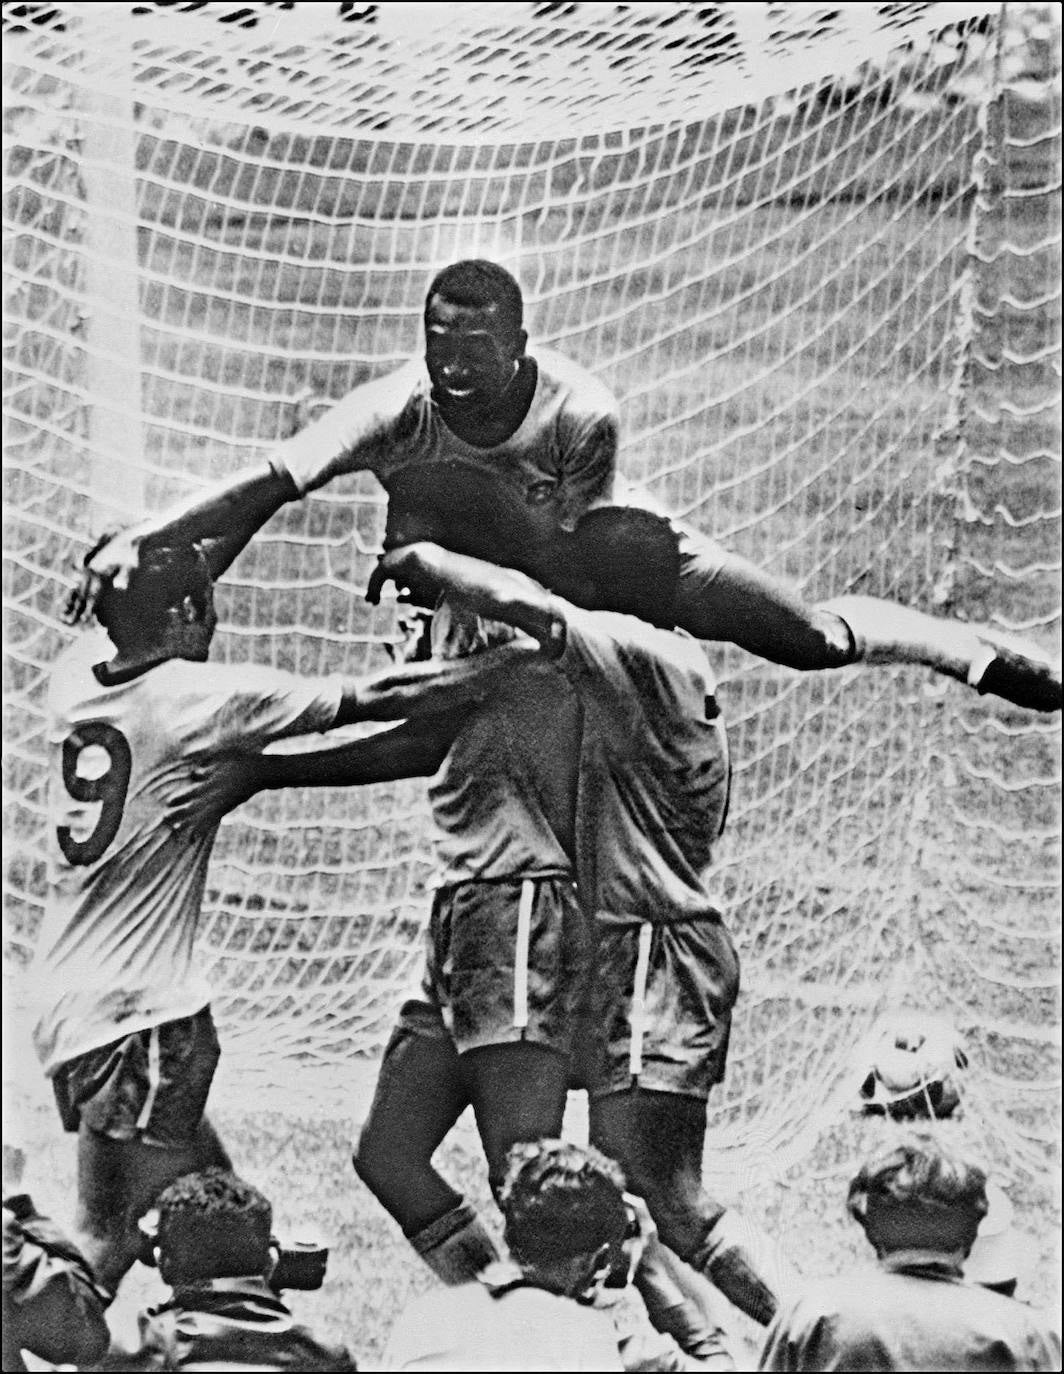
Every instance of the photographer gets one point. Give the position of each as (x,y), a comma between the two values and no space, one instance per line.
(53,1306)
(569,1229)
(214,1249)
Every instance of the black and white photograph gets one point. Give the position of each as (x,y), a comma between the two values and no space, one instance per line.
(532,685)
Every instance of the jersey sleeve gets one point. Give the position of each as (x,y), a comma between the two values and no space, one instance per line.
(589,458)
(354,436)
(635,673)
(247,707)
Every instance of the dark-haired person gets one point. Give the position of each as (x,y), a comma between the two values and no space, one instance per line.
(565,1216)
(502,450)
(124,1027)
(214,1251)
(919,1206)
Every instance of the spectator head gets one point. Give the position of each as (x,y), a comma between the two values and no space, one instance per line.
(565,1214)
(619,558)
(212,1225)
(169,604)
(919,1196)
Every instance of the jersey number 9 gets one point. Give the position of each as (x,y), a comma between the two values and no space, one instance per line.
(108,787)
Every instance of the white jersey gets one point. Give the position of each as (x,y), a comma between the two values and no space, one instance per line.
(115,954)
(391,425)
(654,769)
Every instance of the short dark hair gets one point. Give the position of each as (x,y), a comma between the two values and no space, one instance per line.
(481,284)
(620,558)
(560,1200)
(167,574)
(919,1194)
(213,1225)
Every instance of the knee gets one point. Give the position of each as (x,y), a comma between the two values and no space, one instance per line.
(683,1215)
(372,1164)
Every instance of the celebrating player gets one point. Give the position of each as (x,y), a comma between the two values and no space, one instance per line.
(124,1027)
(505,450)
(652,799)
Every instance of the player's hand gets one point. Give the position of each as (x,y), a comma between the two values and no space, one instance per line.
(213,791)
(410,568)
(112,560)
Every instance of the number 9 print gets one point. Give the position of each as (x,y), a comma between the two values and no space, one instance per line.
(108,787)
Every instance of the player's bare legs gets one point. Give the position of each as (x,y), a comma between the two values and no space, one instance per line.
(658,1139)
(119,1180)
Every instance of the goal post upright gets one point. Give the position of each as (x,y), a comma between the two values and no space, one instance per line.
(111,268)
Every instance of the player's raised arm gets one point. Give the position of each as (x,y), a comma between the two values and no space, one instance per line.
(425,689)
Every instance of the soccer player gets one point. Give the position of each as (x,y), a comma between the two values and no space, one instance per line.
(124,1028)
(505,450)
(920,1209)
(652,799)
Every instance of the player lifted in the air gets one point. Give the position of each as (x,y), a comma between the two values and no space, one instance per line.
(502,450)
(124,1027)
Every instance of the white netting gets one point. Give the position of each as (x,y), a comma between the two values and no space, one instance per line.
(815,252)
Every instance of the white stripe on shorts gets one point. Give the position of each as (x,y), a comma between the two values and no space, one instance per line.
(639,1000)
(153,1079)
(524,934)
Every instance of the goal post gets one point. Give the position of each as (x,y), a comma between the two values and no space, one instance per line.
(812,252)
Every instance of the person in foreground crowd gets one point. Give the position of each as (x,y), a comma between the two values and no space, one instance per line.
(124,1027)
(508,450)
(53,1306)
(920,1207)
(214,1251)
(565,1222)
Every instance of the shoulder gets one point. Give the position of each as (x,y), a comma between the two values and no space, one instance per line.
(634,644)
(583,394)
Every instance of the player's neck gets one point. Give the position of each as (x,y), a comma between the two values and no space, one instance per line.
(487,428)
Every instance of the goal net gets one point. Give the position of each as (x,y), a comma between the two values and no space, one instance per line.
(813,250)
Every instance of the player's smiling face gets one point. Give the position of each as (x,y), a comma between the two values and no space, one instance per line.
(471,354)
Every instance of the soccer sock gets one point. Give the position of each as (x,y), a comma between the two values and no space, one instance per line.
(456,1246)
(746,1265)
(679,1301)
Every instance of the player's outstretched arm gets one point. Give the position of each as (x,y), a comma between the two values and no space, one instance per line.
(224,520)
(413,749)
(991,662)
(493,592)
(425,689)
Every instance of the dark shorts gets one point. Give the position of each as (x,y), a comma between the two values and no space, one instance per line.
(506,962)
(150,1086)
(658,1009)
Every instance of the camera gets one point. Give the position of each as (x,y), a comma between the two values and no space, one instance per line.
(298,1264)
